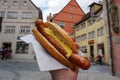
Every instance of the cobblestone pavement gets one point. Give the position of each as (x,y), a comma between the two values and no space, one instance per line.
(28,70)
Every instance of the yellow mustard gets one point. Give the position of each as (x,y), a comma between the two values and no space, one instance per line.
(51,33)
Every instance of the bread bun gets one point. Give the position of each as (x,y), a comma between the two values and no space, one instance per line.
(59,44)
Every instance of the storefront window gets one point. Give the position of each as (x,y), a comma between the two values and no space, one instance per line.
(22,48)
(84,49)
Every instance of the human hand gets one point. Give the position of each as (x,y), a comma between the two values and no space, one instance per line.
(64,74)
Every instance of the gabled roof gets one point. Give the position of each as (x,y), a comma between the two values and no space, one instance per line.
(65,7)
(39,10)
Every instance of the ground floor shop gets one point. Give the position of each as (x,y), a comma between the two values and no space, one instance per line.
(95,48)
(19,49)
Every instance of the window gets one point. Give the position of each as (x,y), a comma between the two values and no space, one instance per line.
(84,49)
(26,15)
(71,7)
(102,15)
(15,3)
(5,2)
(81,38)
(24,3)
(72,34)
(90,22)
(78,28)
(22,47)
(81,26)
(1,14)
(71,16)
(12,15)
(100,32)
(9,29)
(25,29)
(91,34)
(78,39)
(61,24)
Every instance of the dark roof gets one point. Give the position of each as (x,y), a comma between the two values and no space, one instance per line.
(88,15)
(94,3)
(85,17)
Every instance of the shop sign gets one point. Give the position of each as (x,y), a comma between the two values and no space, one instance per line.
(91,42)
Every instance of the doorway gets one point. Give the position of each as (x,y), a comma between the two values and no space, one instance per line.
(101,51)
(92,53)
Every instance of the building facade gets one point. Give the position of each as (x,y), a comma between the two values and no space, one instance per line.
(114,19)
(92,34)
(17,20)
(68,16)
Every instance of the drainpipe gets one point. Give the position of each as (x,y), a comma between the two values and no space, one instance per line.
(0,24)
(110,38)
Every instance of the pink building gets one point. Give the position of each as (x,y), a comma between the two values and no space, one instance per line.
(115,35)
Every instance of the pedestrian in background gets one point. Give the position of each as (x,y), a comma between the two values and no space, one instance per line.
(1,52)
(8,53)
(4,51)
(99,59)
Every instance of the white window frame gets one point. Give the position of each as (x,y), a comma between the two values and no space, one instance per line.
(9,29)
(26,15)
(82,37)
(91,34)
(25,29)
(61,24)
(100,32)
(81,26)
(15,3)
(2,14)
(12,15)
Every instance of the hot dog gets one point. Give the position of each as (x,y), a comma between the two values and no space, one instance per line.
(59,44)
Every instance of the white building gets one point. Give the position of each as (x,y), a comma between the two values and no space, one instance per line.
(18,17)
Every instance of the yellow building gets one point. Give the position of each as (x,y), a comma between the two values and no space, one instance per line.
(92,35)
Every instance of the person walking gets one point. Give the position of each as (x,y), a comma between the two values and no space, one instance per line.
(99,58)
(4,53)
(8,53)
(1,51)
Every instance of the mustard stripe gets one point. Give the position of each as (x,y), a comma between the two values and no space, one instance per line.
(51,33)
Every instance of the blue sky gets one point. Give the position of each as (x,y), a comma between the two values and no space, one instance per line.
(54,6)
